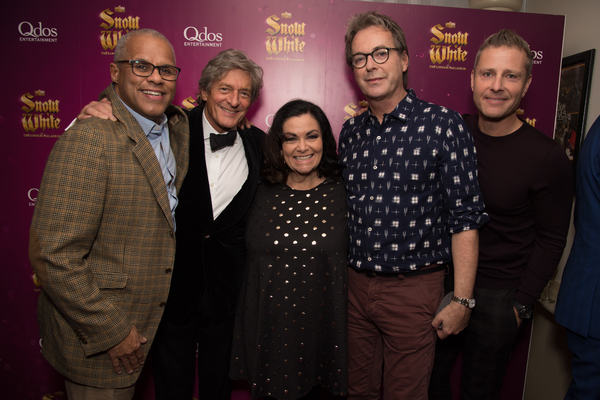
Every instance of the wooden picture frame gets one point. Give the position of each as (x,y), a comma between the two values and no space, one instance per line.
(573,97)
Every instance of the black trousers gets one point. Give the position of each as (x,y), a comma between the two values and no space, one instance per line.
(174,356)
(486,343)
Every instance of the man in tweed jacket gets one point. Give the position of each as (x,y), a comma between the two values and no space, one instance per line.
(102,240)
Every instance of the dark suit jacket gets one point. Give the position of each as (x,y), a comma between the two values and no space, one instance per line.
(578,305)
(211,253)
(102,242)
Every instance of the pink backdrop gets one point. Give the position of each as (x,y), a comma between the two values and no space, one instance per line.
(56,60)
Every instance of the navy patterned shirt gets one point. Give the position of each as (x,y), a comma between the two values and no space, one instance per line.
(411,182)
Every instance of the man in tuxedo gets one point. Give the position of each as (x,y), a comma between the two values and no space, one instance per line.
(213,202)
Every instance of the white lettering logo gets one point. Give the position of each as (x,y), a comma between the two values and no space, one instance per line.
(202,38)
(32,194)
(27,29)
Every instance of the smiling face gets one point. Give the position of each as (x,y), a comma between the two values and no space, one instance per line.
(302,147)
(148,96)
(381,83)
(499,82)
(228,100)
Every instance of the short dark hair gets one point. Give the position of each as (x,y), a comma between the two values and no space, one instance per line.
(226,61)
(510,39)
(275,170)
(367,19)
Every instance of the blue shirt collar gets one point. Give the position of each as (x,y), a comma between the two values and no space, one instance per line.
(146,124)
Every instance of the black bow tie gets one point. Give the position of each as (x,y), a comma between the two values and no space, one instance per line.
(217,142)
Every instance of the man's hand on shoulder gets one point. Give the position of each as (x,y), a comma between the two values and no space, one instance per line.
(245,124)
(128,352)
(453,319)
(100,109)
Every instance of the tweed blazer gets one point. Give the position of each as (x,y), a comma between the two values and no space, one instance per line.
(102,242)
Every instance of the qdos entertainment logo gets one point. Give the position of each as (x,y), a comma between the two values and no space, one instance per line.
(37,32)
(202,38)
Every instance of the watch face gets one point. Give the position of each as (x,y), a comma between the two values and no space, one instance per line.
(471,303)
(525,313)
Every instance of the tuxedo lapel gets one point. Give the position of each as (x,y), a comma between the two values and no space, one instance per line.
(241,202)
(195,188)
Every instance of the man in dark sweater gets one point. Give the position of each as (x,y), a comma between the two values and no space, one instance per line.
(527,185)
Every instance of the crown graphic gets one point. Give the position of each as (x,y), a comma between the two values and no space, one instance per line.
(286,15)
(40,92)
(520,111)
(120,9)
(450,25)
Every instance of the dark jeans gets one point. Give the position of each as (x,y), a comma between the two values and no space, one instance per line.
(486,343)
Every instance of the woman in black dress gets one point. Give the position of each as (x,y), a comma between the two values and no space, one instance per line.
(290,333)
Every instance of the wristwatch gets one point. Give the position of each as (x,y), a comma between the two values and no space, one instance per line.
(524,312)
(464,302)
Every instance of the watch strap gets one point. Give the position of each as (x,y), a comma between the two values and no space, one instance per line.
(469,303)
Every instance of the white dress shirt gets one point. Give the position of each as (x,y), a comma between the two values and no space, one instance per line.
(227,169)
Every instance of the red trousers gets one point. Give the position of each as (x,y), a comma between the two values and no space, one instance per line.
(391,343)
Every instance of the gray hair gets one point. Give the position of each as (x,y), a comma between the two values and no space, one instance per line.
(120,48)
(226,61)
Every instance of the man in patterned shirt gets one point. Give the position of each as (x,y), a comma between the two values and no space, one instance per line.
(411,181)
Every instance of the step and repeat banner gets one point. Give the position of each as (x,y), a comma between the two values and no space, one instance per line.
(56,60)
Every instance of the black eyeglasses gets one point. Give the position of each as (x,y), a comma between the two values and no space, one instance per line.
(145,69)
(359,60)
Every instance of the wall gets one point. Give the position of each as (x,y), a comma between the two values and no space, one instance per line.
(67,66)
(580,35)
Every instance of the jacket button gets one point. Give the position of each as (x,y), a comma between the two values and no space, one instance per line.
(171,233)
(207,236)
(84,341)
(168,271)
(162,305)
